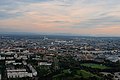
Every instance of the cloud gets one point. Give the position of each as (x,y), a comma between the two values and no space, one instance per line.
(72,16)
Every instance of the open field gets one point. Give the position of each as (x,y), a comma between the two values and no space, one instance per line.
(97,66)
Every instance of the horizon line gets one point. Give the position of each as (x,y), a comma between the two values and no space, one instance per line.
(56,34)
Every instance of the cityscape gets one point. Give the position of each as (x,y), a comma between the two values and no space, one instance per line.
(59,39)
(59,57)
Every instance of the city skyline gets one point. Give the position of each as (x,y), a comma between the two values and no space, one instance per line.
(78,17)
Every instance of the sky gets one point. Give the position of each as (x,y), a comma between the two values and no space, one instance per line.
(79,17)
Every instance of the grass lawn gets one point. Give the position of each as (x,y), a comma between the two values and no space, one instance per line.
(97,66)
(84,73)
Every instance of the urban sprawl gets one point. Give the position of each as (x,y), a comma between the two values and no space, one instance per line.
(59,58)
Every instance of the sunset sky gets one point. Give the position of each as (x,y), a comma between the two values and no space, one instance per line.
(80,17)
